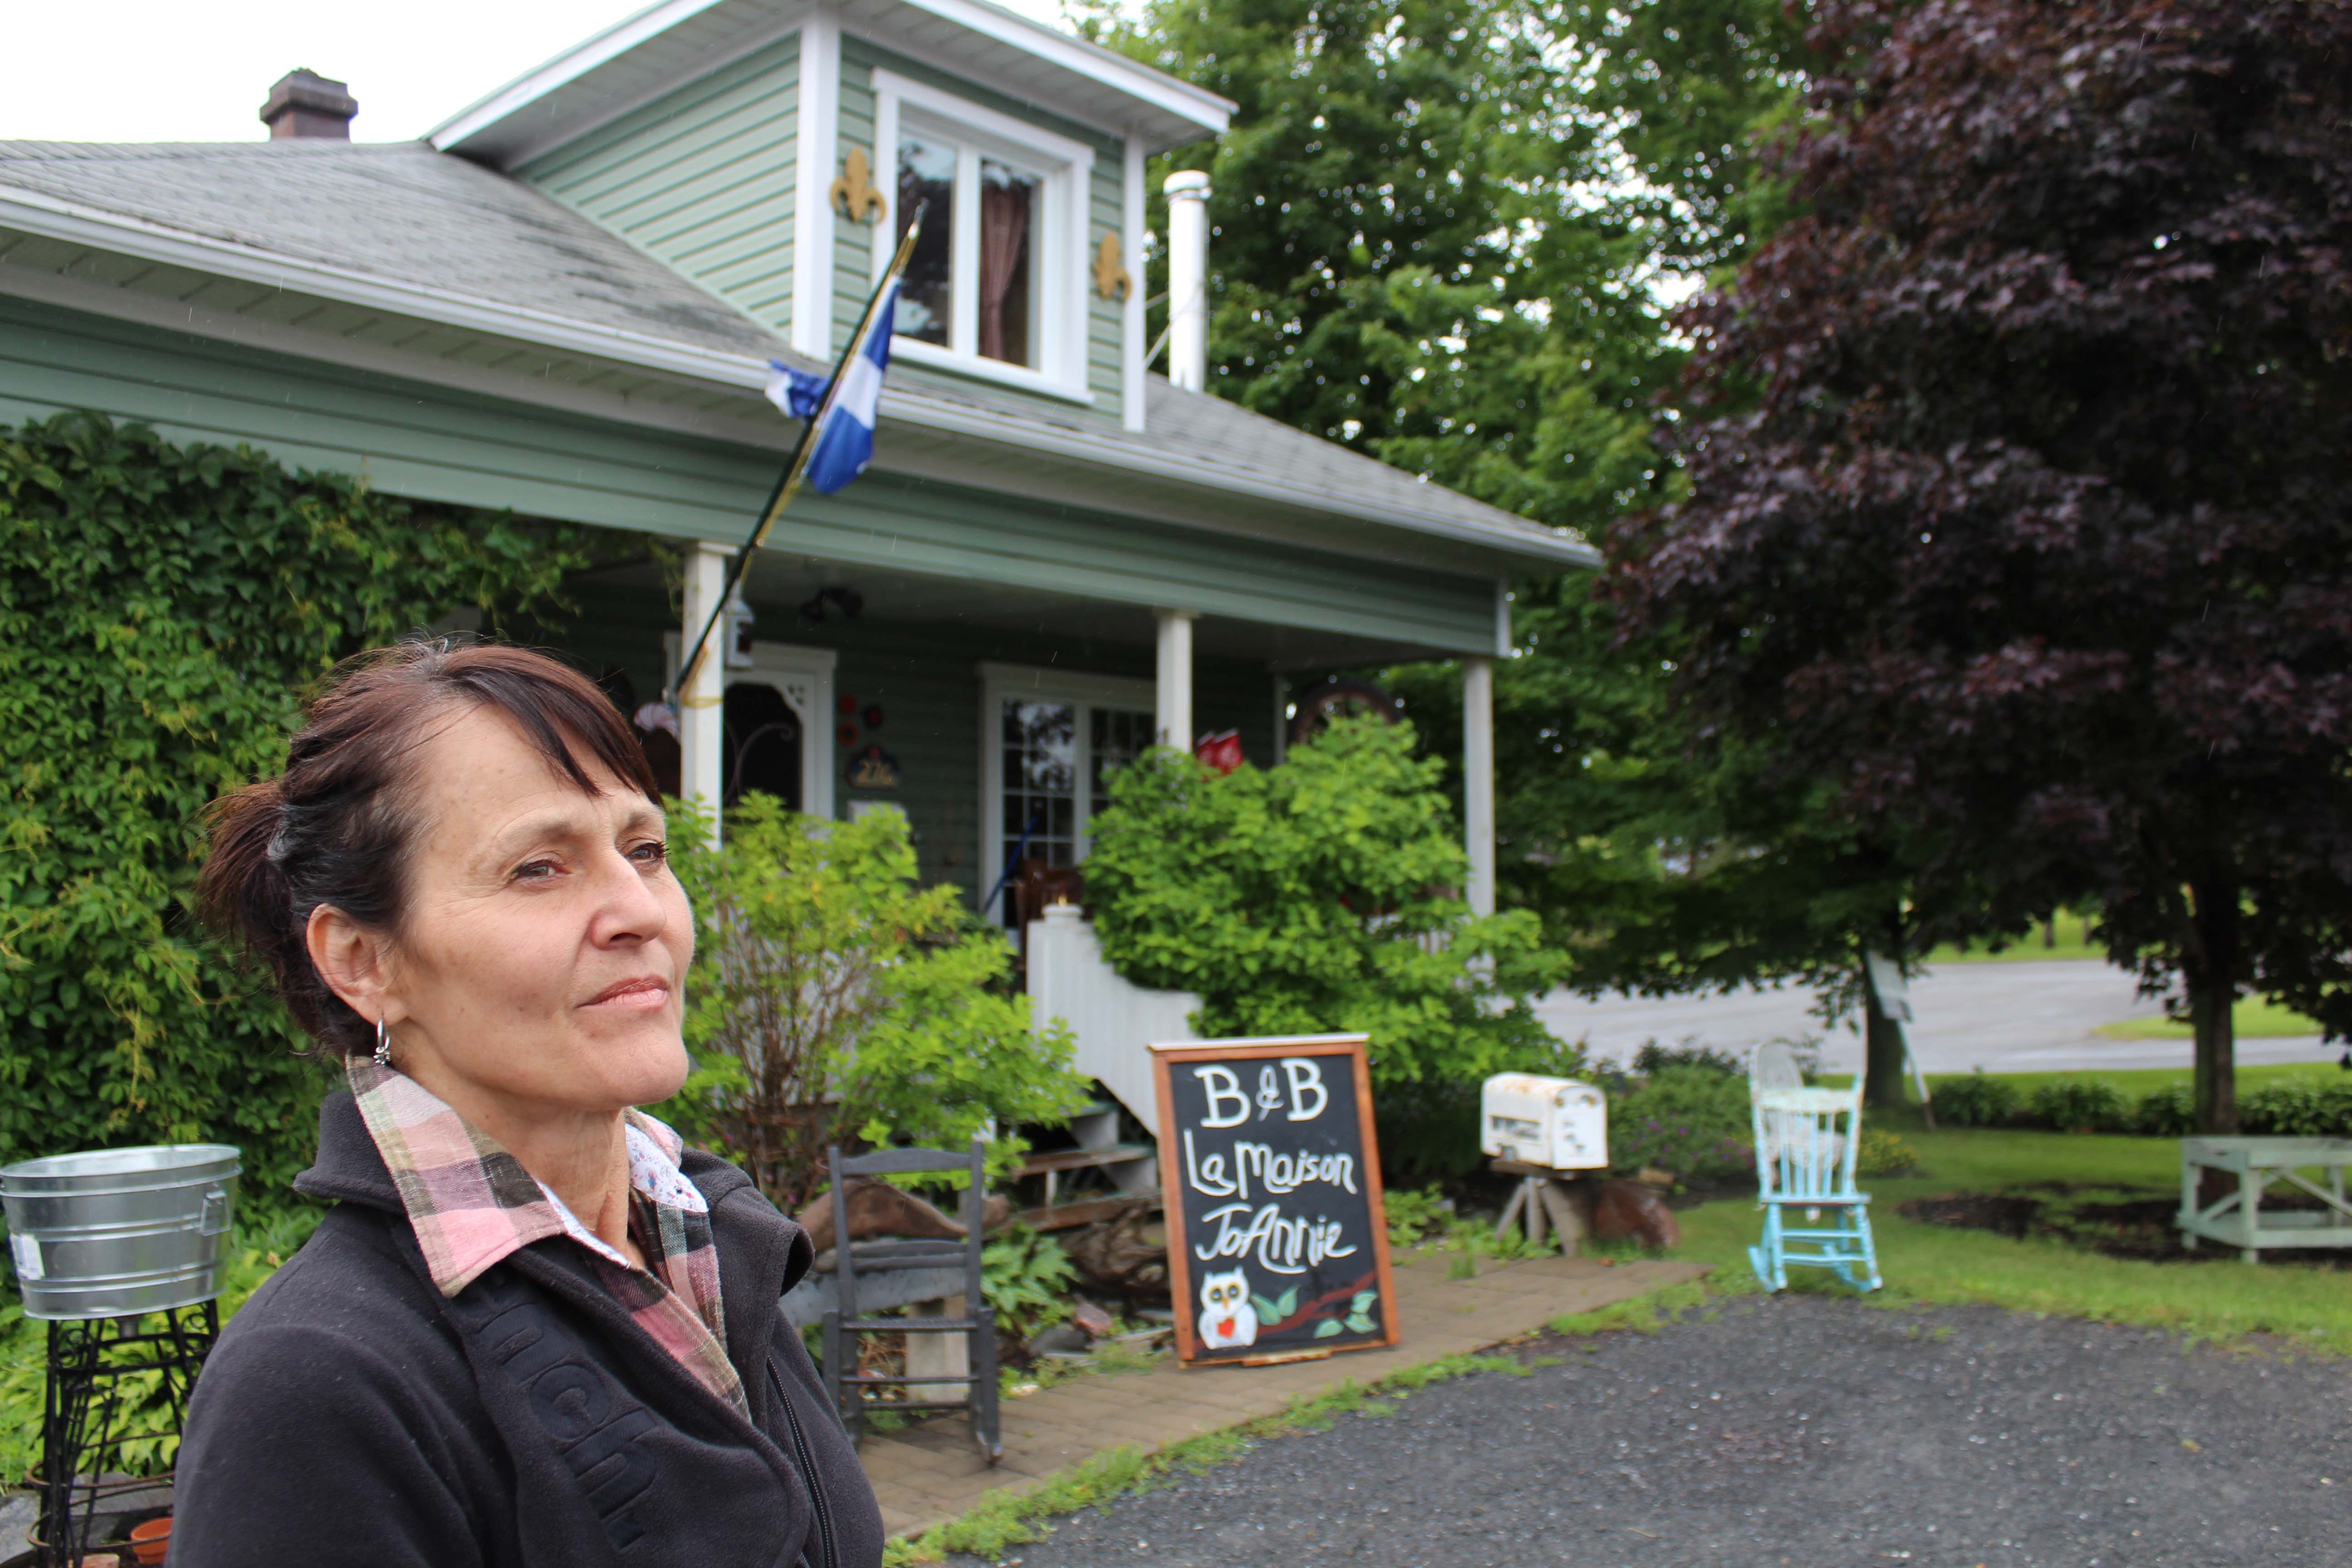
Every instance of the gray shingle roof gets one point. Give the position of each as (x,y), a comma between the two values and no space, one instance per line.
(399,210)
(445,229)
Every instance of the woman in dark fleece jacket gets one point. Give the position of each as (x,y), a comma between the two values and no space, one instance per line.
(533,1330)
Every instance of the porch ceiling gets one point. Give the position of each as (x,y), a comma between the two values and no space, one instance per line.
(779,583)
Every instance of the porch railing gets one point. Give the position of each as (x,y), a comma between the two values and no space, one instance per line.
(1115,1022)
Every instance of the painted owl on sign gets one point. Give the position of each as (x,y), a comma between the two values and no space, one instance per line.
(1227,1318)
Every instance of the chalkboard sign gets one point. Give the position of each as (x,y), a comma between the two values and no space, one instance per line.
(1278,1240)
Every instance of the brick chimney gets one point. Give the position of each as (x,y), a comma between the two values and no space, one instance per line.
(305,104)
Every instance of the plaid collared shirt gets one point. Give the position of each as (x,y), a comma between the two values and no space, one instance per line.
(472,1204)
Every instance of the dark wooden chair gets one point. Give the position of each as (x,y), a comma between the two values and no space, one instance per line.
(977,1323)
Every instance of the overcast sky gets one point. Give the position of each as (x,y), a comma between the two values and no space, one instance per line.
(145,70)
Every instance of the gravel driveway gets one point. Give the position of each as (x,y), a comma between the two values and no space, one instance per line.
(1802,1430)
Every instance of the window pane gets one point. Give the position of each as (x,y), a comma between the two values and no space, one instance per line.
(1041,777)
(1009,210)
(1117,736)
(926,296)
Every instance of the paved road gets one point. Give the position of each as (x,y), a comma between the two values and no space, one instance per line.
(2003,1017)
(1799,1430)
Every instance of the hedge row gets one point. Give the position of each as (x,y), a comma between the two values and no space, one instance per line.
(2291,1108)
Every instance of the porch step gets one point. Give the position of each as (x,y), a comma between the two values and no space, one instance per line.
(1086,1211)
(1133,1168)
(1056,1161)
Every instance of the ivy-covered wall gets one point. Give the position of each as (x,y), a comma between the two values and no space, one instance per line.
(162,611)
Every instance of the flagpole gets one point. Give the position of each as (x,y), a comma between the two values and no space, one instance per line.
(789,483)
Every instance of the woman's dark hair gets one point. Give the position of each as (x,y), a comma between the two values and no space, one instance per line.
(337,826)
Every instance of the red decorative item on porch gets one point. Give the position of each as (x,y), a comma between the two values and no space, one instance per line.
(1221,751)
(847,704)
(847,734)
(873,715)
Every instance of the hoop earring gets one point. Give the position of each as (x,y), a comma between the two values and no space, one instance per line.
(382,1045)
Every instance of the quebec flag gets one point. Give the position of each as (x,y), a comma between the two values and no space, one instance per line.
(844,443)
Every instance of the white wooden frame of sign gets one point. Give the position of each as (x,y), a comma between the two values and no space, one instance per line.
(804,677)
(999,682)
(1066,170)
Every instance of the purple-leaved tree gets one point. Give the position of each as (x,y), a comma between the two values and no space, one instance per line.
(2020,479)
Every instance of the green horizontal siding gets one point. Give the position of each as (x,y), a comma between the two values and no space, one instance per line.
(434,444)
(701,178)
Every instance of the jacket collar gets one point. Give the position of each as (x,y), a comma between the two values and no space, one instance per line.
(756,1244)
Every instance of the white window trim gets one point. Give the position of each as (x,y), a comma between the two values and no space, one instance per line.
(1131,319)
(803,676)
(1066,168)
(997,683)
(817,129)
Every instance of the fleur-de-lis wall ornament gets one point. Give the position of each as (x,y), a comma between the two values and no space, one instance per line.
(856,194)
(1111,280)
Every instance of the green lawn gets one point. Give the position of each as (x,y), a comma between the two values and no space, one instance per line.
(2253,1019)
(1936,1264)
(2073,942)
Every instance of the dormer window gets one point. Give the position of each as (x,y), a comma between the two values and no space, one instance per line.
(995,286)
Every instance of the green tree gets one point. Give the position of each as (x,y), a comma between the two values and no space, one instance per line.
(1446,234)
(1320,896)
(1440,229)
(2020,477)
(835,1002)
(162,611)
(1665,855)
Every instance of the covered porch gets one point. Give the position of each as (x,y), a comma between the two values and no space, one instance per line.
(992,710)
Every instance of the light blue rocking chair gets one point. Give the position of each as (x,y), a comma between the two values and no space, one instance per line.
(1804,1159)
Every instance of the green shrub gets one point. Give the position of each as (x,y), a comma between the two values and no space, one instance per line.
(2169,1112)
(1026,1276)
(832,1000)
(1884,1155)
(2078,1105)
(2298,1108)
(1414,1216)
(1975,1101)
(162,609)
(1691,1120)
(1653,1056)
(1322,896)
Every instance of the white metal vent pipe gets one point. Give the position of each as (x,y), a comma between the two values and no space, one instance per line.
(1188,279)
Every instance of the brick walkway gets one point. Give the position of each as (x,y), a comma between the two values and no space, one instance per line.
(931,1473)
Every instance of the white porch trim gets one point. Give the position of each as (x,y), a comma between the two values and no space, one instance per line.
(817,135)
(1478,779)
(1172,694)
(701,722)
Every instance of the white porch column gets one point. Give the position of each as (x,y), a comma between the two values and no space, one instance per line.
(699,718)
(1175,697)
(1478,779)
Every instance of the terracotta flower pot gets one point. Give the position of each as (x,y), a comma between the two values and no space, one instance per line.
(149,1541)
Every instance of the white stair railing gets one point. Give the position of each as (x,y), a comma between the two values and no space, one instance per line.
(1113,1022)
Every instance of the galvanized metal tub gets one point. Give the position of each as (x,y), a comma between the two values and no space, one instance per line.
(113,1232)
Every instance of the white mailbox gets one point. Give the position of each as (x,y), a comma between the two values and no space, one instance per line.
(1555,1122)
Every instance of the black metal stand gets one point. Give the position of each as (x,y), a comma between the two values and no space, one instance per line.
(100,1371)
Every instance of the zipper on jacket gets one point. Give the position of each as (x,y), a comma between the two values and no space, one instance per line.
(829,1557)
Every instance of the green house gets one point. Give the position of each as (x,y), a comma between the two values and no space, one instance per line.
(565,301)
